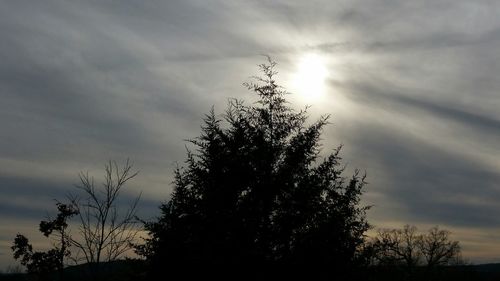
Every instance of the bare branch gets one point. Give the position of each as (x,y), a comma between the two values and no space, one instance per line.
(105,232)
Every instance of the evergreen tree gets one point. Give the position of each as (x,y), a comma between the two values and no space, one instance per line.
(256,190)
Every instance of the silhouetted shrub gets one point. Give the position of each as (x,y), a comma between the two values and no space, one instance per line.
(43,264)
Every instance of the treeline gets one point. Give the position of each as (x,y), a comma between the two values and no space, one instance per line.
(407,254)
(254,199)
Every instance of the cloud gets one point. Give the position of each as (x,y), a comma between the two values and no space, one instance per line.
(416,104)
(429,184)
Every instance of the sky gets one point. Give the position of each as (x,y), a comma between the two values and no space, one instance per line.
(411,87)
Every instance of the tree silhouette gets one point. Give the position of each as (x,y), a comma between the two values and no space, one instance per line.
(438,249)
(44,263)
(106,231)
(256,191)
(399,247)
(419,255)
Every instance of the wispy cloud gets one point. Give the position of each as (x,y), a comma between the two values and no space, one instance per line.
(417,106)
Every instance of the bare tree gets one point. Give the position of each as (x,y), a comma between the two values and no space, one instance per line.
(398,246)
(409,248)
(437,248)
(106,230)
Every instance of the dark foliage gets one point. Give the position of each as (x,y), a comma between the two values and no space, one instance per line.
(44,263)
(255,191)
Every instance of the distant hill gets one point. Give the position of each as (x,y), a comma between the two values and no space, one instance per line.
(125,270)
(121,270)
(488,267)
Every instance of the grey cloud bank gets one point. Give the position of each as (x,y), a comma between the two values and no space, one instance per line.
(416,104)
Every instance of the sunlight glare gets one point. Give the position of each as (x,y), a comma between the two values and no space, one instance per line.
(310,77)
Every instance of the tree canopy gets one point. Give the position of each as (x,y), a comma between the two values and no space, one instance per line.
(408,247)
(44,263)
(256,189)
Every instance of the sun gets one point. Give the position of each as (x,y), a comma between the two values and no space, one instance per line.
(309,81)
